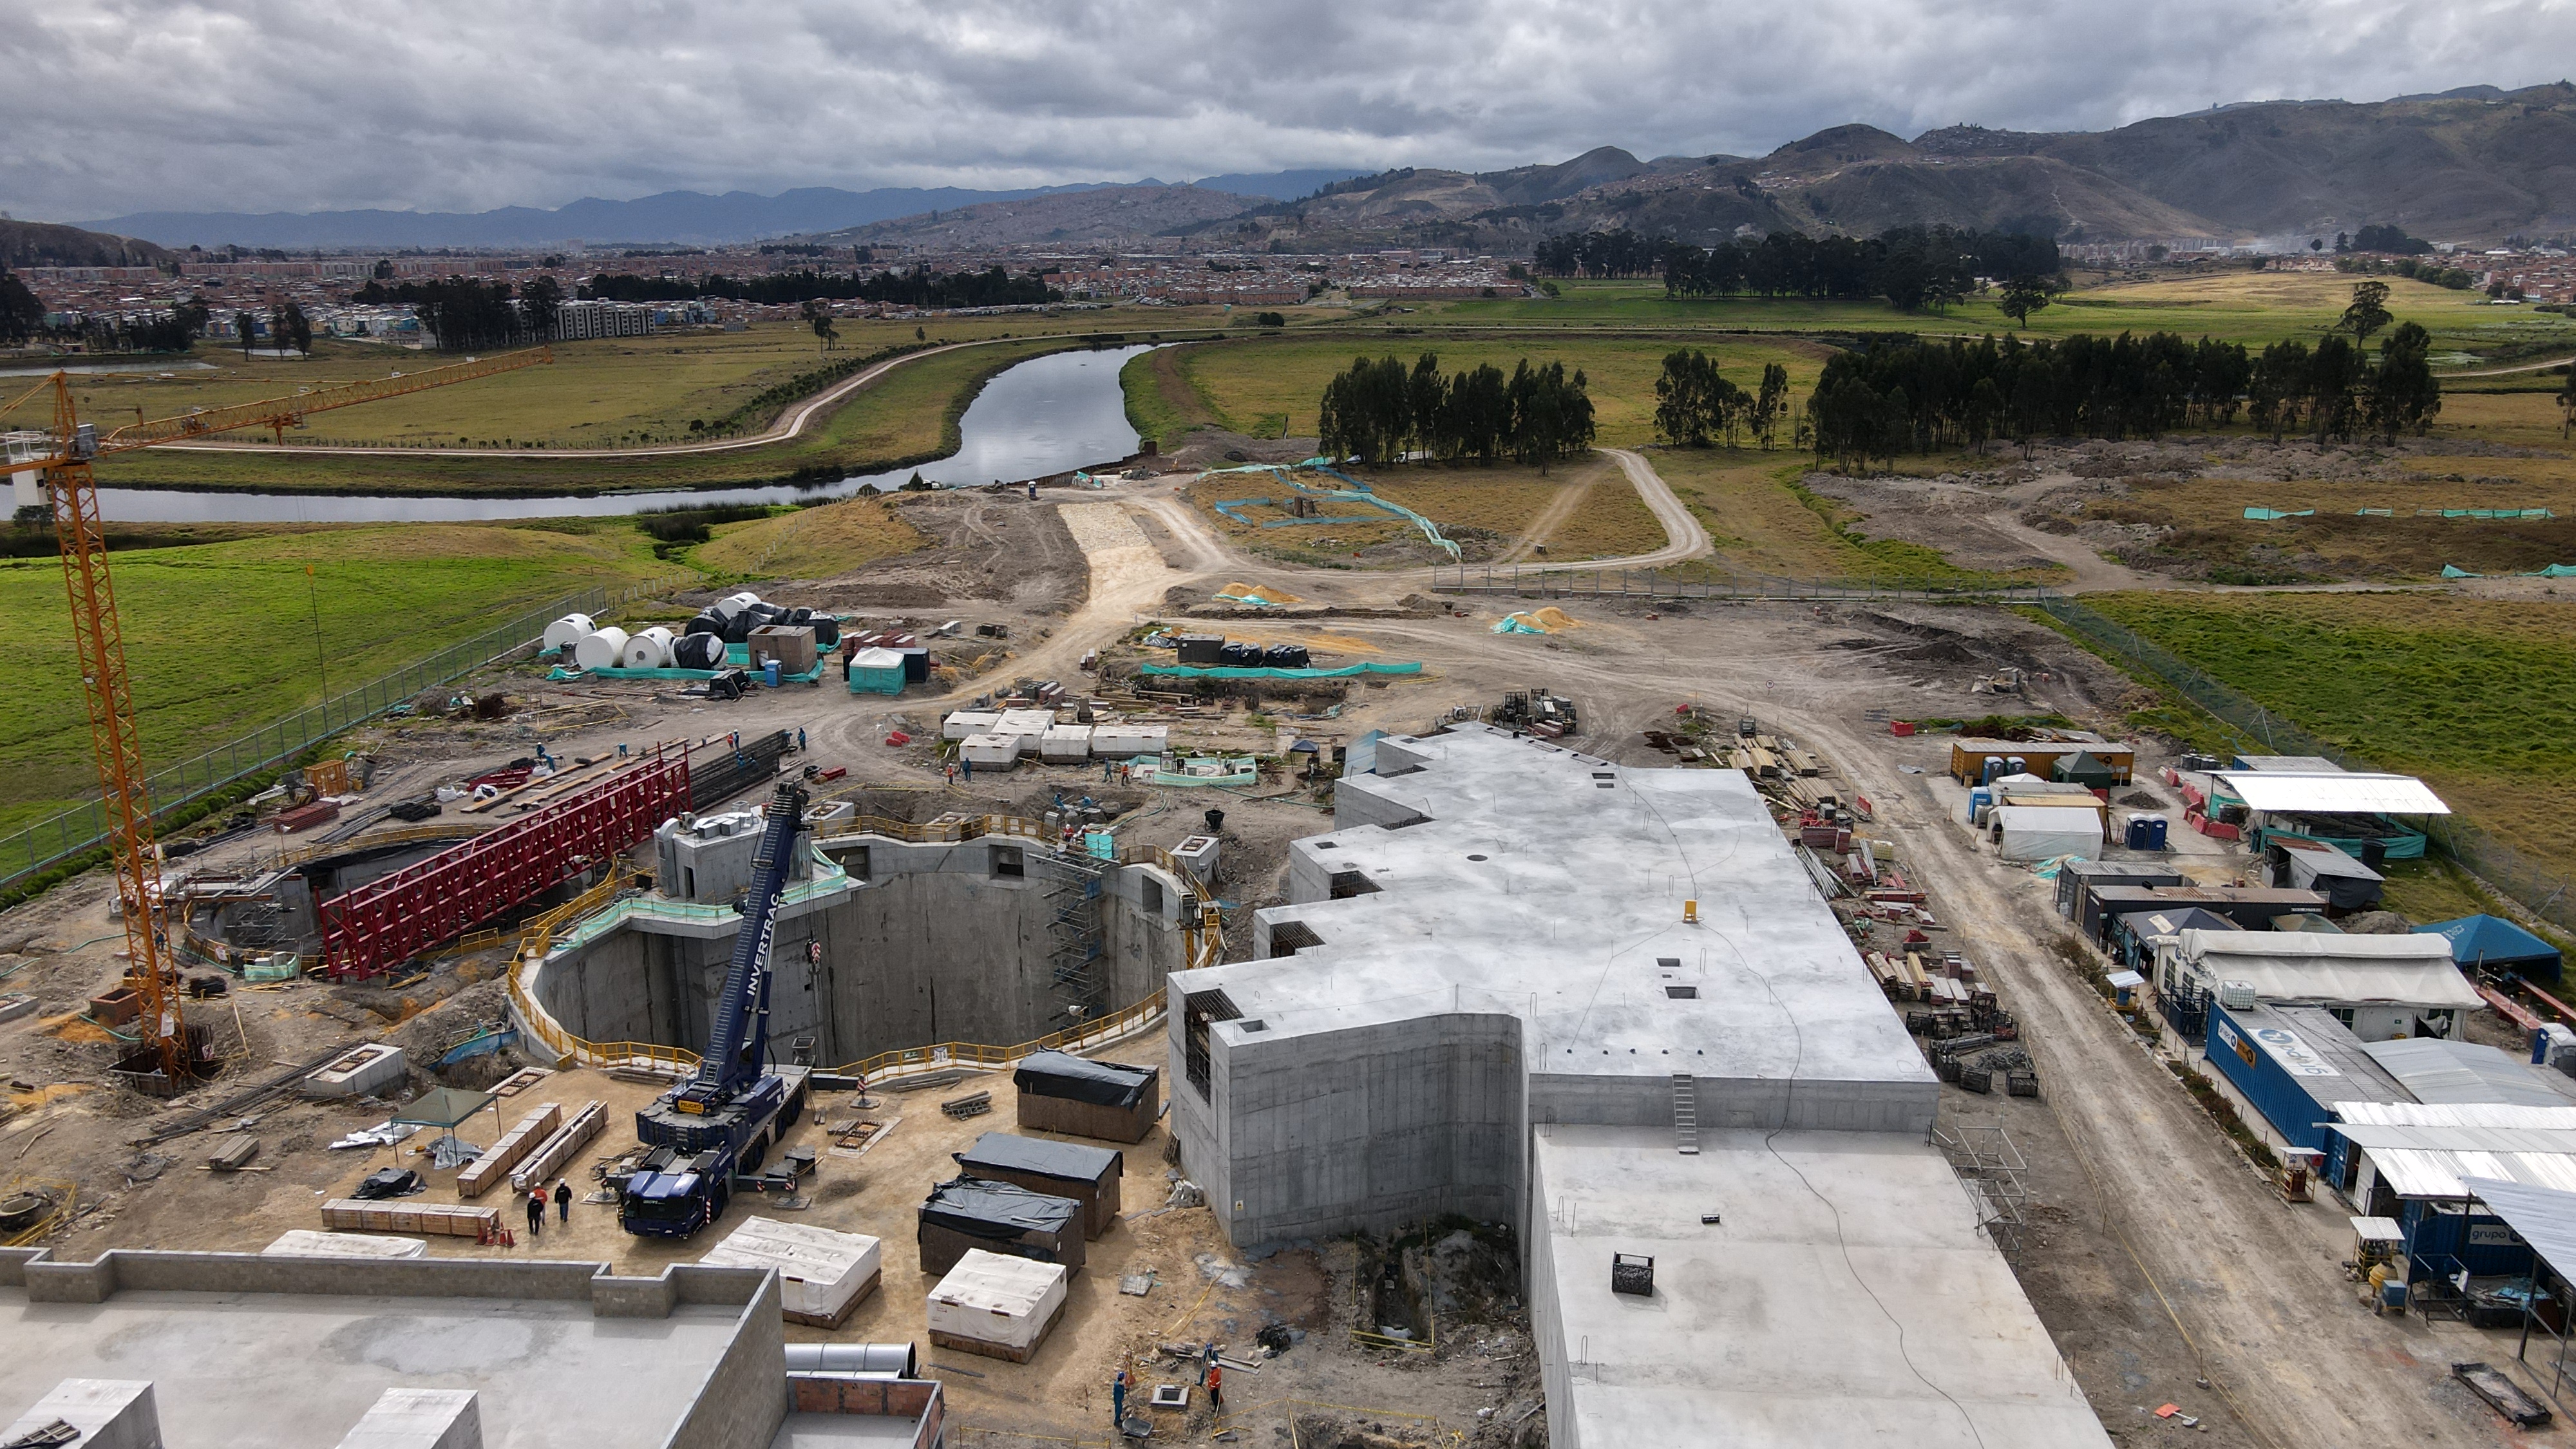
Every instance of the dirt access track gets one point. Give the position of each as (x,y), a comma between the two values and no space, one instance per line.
(2165,1259)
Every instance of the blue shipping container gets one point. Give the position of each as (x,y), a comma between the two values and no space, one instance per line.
(2274,1070)
(2437,1233)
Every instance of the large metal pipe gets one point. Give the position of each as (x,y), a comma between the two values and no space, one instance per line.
(893,1360)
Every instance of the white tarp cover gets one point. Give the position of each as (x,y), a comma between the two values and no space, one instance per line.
(308,1243)
(819,1270)
(2435,1070)
(2340,793)
(2036,832)
(2545,1217)
(2306,966)
(996,1298)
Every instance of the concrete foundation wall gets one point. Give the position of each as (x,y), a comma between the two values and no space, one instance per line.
(130,1270)
(931,946)
(1736,1102)
(1547,1319)
(1373,1127)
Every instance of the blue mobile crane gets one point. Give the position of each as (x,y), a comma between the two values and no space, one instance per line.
(721,1122)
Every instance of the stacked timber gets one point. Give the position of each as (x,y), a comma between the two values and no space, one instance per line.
(446,1219)
(493,1168)
(570,1138)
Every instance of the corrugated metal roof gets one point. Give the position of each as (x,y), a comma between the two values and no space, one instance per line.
(2418,1172)
(2455,1114)
(2460,1071)
(2340,793)
(2289,764)
(2547,1141)
(2545,1217)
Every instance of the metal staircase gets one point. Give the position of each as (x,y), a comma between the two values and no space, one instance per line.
(1686,1114)
(1073,887)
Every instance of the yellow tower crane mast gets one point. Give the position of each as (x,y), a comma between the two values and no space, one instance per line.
(151,970)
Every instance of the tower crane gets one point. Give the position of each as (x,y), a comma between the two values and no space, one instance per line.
(71,448)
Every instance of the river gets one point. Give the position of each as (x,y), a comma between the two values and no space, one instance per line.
(1046,415)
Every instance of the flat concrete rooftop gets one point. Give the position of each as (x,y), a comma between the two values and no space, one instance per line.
(1548,885)
(291,1371)
(1846,1295)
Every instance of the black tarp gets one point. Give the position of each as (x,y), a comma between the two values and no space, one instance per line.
(982,1208)
(1103,1084)
(1039,1157)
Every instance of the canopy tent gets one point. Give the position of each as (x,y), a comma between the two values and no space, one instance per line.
(2083,768)
(2494,942)
(441,1107)
(2299,966)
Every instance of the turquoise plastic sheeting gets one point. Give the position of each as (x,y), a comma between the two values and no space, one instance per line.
(559,673)
(1220,671)
(2451,572)
(2266,515)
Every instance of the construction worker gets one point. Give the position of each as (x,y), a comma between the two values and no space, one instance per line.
(563,1199)
(1207,1364)
(1118,1400)
(1216,1387)
(536,1210)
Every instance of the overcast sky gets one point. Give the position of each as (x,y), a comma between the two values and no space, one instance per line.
(117,106)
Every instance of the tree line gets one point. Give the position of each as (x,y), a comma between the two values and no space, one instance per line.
(1695,406)
(465,314)
(1911,266)
(1383,411)
(1903,395)
(919,287)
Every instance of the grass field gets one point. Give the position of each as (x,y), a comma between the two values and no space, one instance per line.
(609,392)
(809,543)
(2474,695)
(220,638)
(910,416)
(1272,387)
(1763,522)
(1578,511)
(2251,307)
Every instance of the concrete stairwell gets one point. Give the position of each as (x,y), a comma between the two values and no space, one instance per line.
(1685,1114)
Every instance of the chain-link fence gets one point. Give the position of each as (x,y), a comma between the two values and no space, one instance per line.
(2543,889)
(84,828)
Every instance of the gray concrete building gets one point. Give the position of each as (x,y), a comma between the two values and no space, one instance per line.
(1607,1006)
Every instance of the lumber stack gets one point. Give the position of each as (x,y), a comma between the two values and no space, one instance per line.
(446,1219)
(493,1168)
(568,1139)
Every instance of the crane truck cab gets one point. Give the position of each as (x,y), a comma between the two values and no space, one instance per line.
(720,1122)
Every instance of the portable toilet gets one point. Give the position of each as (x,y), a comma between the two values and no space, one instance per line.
(876,671)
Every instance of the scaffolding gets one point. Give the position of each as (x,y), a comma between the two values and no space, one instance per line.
(1990,1168)
(1073,887)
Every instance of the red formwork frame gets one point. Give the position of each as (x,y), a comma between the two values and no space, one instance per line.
(380,925)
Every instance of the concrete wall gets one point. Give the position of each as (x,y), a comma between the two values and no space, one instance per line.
(1547,1320)
(1370,1127)
(1735,1102)
(744,1398)
(931,946)
(130,1270)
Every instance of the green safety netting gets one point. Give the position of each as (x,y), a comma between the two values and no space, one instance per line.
(2450,572)
(2554,571)
(2266,515)
(1221,671)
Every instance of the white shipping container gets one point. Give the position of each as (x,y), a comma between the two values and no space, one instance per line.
(1065,745)
(1025,722)
(969,722)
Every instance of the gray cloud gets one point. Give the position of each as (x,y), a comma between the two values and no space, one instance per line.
(294,105)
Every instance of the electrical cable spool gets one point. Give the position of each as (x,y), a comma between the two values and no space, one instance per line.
(648,650)
(569,629)
(600,650)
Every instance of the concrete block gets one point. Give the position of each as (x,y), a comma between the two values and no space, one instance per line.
(110,1414)
(420,1419)
(365,1071)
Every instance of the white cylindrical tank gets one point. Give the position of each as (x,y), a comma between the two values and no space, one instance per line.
(600,650)
(733,604)
(570,629)
(648,650)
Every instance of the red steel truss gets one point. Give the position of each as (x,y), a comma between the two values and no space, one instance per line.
(380,925)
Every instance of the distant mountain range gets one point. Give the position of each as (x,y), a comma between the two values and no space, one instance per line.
(684,217)
(2475,165)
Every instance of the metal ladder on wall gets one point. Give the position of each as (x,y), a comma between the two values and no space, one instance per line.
(1686,1114)
(1074,885)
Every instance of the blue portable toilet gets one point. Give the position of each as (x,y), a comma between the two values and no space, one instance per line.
(1978,799)
(2146,832)
(876,671)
